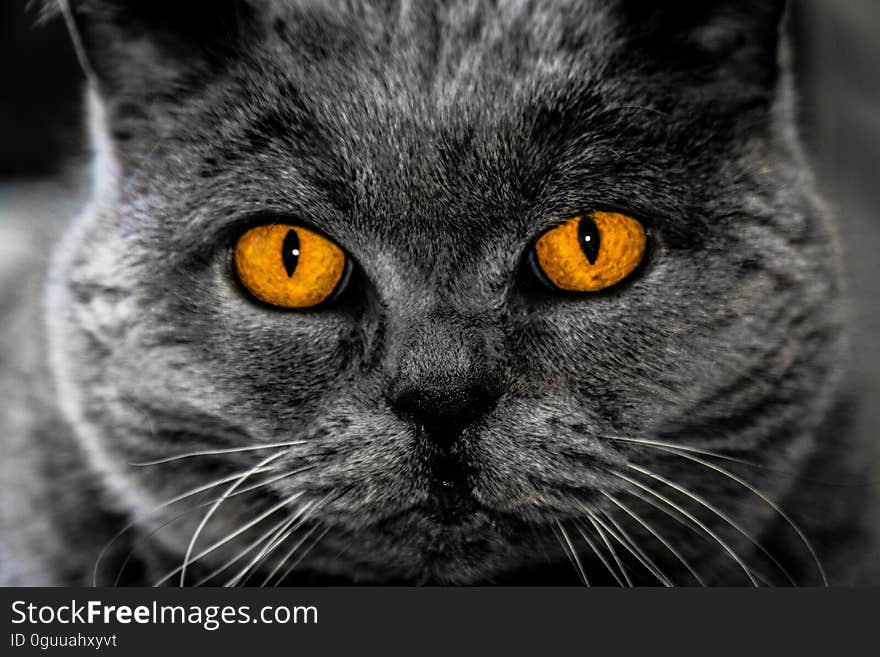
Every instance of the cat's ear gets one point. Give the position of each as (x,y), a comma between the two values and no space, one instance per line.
(131,46)
(735,41)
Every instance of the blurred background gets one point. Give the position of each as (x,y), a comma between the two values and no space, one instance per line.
(44,157)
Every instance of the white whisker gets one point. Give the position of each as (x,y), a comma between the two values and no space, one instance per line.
(272,541)
(217,504)
(726,518)
(302,556)
(230,536)
(598,553)
(769,502)
(631,546)
(277,527)
(730,551)
(611,550)
(314,508)
(287,556)
(201,506)
(568,546)
(684,522)
(684,448)
(179,498)
(212,452)
(656,535)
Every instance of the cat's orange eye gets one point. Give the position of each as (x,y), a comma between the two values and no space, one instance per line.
(592,252)
(289,266)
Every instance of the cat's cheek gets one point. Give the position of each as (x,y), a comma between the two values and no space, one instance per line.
(261,360)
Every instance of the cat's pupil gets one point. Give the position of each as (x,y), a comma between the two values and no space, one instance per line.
(588,238)
(290,252)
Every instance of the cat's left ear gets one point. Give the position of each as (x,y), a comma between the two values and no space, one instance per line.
(134,48)
(732,42)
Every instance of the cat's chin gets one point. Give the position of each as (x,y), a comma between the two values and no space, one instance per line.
(430,544)
(418,552)
(556,573)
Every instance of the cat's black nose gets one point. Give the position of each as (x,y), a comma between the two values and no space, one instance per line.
(444,410)
(441,376)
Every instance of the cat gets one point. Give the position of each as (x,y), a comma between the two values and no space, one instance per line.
(447,415)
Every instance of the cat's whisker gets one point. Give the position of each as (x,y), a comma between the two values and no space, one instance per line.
(311,546)
(196,507)
(213,509)
(131,552)
(288,555)
(669,512)
(711,507)
(641,521)
(813,554)
(311,511)
(219,482)
(179,498)
(585,535)
(610,547)
(276,542)
(272,540)
(732,459)
(281,540)
(221,542)
(265,538)
(684,448)
(274,530)
(684,512)
(571,552)
(631,546)
(604,532)
(215,452)
(685,522)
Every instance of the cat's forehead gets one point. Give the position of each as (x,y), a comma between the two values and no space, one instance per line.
(438,110)
(460,53)
(453,115)
(444,29)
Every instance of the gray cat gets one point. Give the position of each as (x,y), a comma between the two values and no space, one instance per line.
(434,292)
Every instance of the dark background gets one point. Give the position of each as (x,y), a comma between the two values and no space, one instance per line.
(39,94)
(44,158)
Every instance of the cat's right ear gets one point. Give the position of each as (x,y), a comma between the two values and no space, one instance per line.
(134,48)
(733,44)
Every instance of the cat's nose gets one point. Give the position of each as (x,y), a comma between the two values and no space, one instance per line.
(444,411)
(441,377)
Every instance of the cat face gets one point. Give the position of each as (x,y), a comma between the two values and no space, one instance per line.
(446,416)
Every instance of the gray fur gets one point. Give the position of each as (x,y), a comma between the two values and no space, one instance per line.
(434,141)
